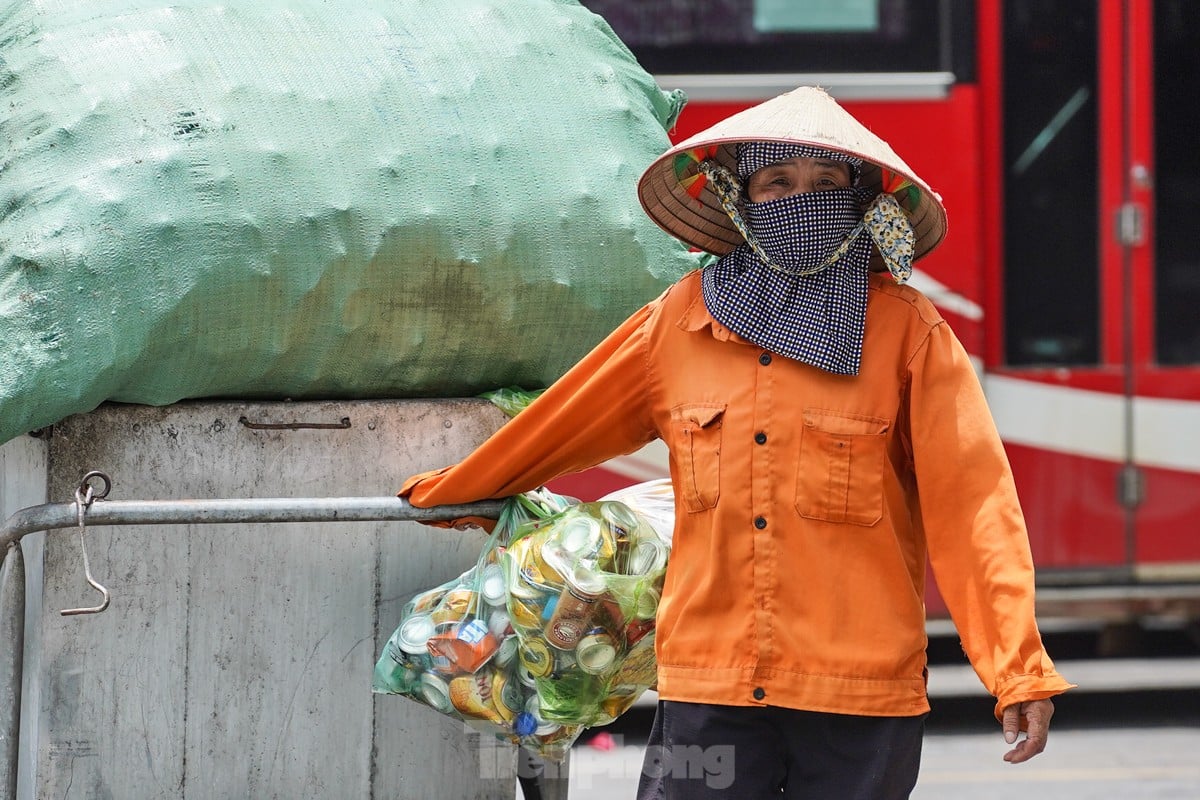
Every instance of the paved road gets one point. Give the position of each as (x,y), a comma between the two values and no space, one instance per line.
(1125,764)
(1134,735)
(1128,763)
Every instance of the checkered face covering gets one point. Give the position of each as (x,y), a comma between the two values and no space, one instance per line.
(800,232)
(817,317)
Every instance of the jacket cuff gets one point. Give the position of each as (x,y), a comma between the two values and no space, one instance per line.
(1024,688)
(410,485)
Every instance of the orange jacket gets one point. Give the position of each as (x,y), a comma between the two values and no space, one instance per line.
(806,503)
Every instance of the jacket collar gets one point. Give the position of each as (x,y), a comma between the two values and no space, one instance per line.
(696,317)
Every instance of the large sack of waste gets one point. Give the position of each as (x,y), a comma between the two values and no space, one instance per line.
(315,198)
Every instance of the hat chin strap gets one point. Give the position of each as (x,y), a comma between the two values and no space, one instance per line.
(884,221)
(888,226)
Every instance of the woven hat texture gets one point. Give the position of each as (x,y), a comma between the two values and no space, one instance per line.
(674,193)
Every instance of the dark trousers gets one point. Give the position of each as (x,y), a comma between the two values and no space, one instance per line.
(699,752)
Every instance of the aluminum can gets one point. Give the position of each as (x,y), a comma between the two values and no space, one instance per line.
(557,743)
(473,696)
(573,540)
(536,657)
(637,630)
(499,623)
(609,614)
(414,634)
(573,610)
(491,585)
(546,572)
(647,603)
(530,577)
(619,527)
(455,606)
(435,692)
(525,613)
(506,696)
(578,535)
(544,727)
(564,662)
(507,654)
(619,521)
(648,556)
(425,601)
(526,677)
(464,648)
(596,651)
(397,673)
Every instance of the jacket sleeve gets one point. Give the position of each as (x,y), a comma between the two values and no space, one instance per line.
(596,411)
(974,528)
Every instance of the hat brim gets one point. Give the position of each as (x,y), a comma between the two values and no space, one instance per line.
(675,195)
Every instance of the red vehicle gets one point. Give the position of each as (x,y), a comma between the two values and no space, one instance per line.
(1060,134)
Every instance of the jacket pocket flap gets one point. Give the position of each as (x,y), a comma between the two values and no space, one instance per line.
(844,424)
(699,414)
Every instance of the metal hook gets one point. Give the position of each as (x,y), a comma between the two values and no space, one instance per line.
(84,495)
(86,483)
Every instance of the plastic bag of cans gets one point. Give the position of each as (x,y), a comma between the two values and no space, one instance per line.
(455,649)
(551,632)
(583,589)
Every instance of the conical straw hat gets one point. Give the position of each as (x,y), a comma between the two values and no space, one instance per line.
(674,192)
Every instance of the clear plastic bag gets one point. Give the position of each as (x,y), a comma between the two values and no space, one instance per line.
(583,590)
(455,649)
(551,632)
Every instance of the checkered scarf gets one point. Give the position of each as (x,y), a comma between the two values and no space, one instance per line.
(794,302)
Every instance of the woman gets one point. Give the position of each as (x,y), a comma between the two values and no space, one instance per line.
(827,433)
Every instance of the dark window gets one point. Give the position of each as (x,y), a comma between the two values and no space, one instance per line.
(1051,266)
(767,36)
(1177,181)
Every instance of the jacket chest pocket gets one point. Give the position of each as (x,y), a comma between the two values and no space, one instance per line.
(840,473)
(697,434)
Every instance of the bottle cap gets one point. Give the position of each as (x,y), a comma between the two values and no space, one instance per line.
(525,724)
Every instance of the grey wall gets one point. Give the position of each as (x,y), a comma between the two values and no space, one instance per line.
(235,660)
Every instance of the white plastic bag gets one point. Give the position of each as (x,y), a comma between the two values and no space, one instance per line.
(655,501)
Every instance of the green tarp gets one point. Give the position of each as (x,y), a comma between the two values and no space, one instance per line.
(315,198)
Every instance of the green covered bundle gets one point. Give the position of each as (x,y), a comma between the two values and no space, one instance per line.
(315,198)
